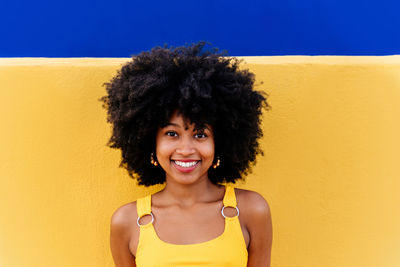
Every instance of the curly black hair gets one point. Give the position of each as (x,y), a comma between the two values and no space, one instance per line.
(206,87)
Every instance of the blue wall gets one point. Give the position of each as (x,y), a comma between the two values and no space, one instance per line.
(121,28)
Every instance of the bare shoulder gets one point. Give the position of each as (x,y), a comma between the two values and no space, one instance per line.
(252,205)
(252,200)
(123,221)
(121,234)
(124,214)
(257,216)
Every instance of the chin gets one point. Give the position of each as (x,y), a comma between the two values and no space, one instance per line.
(187,180)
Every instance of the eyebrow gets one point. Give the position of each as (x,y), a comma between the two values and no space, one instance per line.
(172,124)
(177,125)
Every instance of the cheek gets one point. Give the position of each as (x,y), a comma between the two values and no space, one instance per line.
(209,151)
(163,148)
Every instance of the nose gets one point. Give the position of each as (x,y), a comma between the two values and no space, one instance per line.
(185,147)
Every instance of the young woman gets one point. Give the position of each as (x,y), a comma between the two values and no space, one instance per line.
(189,119)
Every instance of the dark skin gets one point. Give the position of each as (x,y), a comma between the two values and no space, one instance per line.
(191,203)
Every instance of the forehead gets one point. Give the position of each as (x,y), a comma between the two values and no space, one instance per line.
(180,121)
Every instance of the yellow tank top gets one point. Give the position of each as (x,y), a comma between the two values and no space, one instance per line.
(228,249)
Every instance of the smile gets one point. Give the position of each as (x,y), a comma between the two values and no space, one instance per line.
(185,164)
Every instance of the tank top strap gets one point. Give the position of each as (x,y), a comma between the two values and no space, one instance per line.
(143,205)
(229,197)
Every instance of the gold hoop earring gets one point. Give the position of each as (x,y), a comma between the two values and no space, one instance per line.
(152,160)
(215,165)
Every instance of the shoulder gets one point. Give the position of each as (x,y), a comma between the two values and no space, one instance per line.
(252,200)
(253,206)
(257,216)
(123,218)
(124,213)
(122,233)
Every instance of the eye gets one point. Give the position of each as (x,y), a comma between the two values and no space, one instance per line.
(200,135)
(171,133)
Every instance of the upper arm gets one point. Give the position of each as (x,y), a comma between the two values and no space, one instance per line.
(260,229)
(120,236)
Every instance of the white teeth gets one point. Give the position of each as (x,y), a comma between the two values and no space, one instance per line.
(185,164)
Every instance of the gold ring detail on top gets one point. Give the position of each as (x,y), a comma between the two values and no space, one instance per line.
(222,212)
(152,219)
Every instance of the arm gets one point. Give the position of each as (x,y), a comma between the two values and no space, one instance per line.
(120,235)
(260,230)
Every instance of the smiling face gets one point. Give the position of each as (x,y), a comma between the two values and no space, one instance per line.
(184,152)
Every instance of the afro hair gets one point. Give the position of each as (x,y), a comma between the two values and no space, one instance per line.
(205,87)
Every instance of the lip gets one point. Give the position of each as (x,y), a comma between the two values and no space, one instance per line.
(185,160)
(185,169)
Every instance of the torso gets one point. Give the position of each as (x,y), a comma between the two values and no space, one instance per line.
(196,224)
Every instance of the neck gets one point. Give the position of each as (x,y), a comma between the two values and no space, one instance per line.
(189,194)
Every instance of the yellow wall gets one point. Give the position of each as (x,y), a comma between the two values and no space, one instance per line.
(330,172)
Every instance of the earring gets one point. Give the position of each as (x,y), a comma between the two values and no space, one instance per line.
(152,161)
(215,165)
